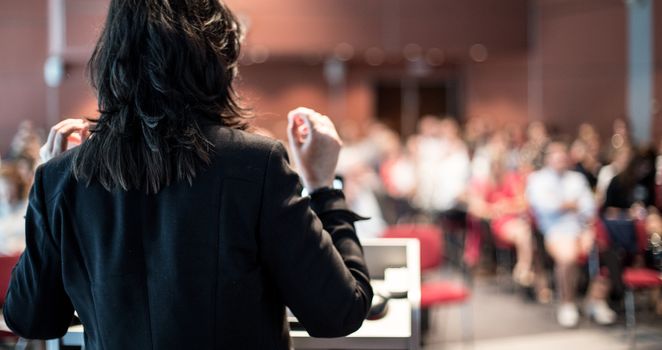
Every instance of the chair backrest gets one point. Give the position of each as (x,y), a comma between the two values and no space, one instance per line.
(642,235)
(601,235)
(7,264)
(430,238)
(603,240)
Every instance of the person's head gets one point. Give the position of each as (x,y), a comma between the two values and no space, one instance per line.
(429,125)
(499,142)
(160,68)
(586,132)
(449,128)
(537,132)
(578,151)
(556,156)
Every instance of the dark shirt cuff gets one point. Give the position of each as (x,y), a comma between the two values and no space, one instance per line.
(328,201)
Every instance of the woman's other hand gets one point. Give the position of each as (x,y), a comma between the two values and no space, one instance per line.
(65,134)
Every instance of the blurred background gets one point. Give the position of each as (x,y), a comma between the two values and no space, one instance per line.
(488,82)
(559,61)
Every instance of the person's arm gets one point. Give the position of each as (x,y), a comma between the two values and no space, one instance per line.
(309,245)
(316,261)
(586,205)
(37,306)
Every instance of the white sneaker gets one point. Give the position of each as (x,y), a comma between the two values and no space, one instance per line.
(567,315)
(600,312)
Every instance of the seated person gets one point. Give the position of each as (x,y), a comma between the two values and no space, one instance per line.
(564,208)
(499,198)
(620,159)
(630,198)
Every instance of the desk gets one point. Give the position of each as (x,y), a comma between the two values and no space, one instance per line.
(398,330)
(393,331)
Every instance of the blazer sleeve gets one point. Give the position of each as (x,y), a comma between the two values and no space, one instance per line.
(310,249)
(37,306)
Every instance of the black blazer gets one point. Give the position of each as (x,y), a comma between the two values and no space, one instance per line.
(210,265)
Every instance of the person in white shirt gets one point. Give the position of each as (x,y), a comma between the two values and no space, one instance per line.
(621,158)
(564,209)
(443,166)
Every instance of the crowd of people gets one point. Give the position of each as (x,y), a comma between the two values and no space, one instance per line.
(16,176)
(561,203)
(555,201)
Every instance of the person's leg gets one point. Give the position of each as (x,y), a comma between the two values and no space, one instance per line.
(518,233)
(542,266)
(564,250)
(596,305)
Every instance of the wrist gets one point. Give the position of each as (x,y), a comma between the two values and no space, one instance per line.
(314,185)
(334,185)
(321,190)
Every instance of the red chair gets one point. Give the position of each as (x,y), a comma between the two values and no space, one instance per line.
(434,292)
(7,264)
(636,279)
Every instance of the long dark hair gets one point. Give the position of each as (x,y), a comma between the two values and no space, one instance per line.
(640,171)
(160,69)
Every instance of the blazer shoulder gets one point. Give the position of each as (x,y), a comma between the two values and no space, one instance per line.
(57,174)
(244,143)
(243,154)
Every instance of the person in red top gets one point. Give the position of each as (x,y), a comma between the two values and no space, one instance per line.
(499,198)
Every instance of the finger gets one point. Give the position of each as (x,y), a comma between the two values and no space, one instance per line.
(293,123)
(48,146)
(301,128)
(56,128)
(64,130)
(44,153)
(75,138)
(332,131)
(72,126)
(57,145)
(291,134)
(51,141)
(306,130)
(325,127)
(85,132)
(326,124)
(301,125)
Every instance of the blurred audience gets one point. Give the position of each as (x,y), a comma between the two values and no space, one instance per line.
(14,187)
(521,184)
(16,176)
